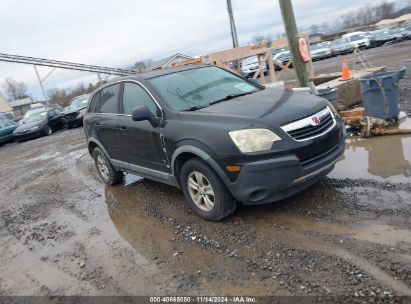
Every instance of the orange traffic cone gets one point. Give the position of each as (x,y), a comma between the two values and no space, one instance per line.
(345,70)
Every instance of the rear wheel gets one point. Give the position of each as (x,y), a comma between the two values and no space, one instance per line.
(204,191)
(105,170)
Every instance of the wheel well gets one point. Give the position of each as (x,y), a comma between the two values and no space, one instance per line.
(91,147)
(180,161)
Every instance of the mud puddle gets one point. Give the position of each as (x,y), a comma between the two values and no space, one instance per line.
(385,158)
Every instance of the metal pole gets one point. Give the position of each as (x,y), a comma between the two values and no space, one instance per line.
(292,35)
(41,83)
(232,24)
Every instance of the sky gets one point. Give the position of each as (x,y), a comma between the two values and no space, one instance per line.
(119,33)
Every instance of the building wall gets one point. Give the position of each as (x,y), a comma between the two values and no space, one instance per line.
(177,59)
(21,110)
(4,105)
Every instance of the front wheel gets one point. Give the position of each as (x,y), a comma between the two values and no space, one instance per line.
(205,192)
(48,130)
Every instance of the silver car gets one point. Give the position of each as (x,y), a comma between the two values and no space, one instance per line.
(340,47)
(250,66)
(320,51)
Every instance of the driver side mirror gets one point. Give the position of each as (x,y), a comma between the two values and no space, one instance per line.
(142,113)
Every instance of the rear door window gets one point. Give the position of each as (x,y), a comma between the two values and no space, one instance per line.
(108,102)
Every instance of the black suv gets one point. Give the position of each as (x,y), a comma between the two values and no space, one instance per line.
(217,136)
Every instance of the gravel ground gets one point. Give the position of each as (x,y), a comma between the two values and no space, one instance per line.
(346,239)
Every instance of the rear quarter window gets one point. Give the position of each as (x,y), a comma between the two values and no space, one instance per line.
(94,102)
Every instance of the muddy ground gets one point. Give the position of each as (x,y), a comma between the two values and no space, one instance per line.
(63,232)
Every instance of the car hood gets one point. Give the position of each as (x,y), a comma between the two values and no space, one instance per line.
(72,111)
(271,106)
(28,126)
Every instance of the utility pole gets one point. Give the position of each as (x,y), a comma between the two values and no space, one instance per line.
(292,35)
(232,24)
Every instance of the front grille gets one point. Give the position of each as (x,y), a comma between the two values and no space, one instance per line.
(71,115)
(306,164)
(312,126)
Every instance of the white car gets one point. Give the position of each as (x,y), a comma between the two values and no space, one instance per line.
(320,51)
(250,66)
(359,40)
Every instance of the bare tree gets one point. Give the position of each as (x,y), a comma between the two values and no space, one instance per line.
(325,27)
(261,39)
(141,66)
(63,97)
(386,9)
(15,89)
(314,29)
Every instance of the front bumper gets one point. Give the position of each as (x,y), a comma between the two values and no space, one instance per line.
(271,180)
(28,134)
(73,121)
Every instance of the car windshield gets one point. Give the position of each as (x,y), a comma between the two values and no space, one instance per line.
(338,42)
(36,117)
(357,37)
(316,47)
(199,87)
(78,103)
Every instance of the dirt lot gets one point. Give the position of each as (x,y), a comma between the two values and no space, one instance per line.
(62,232)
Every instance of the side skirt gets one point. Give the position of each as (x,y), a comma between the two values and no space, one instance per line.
(158,176)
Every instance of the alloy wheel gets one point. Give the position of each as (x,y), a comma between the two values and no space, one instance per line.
(102,167)
(201,191)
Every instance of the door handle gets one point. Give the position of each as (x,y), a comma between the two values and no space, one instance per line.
(98,125)
(123,129)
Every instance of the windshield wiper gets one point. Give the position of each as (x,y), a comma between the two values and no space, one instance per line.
(230,96)
(194,108)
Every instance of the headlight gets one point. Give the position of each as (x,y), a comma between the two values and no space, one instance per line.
(34,128)
(332,108)
(253,140)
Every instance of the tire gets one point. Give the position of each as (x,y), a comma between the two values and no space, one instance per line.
(105,169)
(48,130)
(212,207)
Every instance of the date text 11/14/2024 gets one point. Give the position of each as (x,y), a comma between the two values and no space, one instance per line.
(203,299)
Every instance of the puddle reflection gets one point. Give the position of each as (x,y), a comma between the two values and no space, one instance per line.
(385,158)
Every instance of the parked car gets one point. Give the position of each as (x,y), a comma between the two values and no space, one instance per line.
(30,112)
(214,134)
(41,123)
(73,114)
(380,37)
(6,130)
(400,34)
(7,116)
(340,47)
(320,51)
(284,57)
(250,65)
(358,40)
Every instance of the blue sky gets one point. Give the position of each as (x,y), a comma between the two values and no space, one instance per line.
(118,33)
